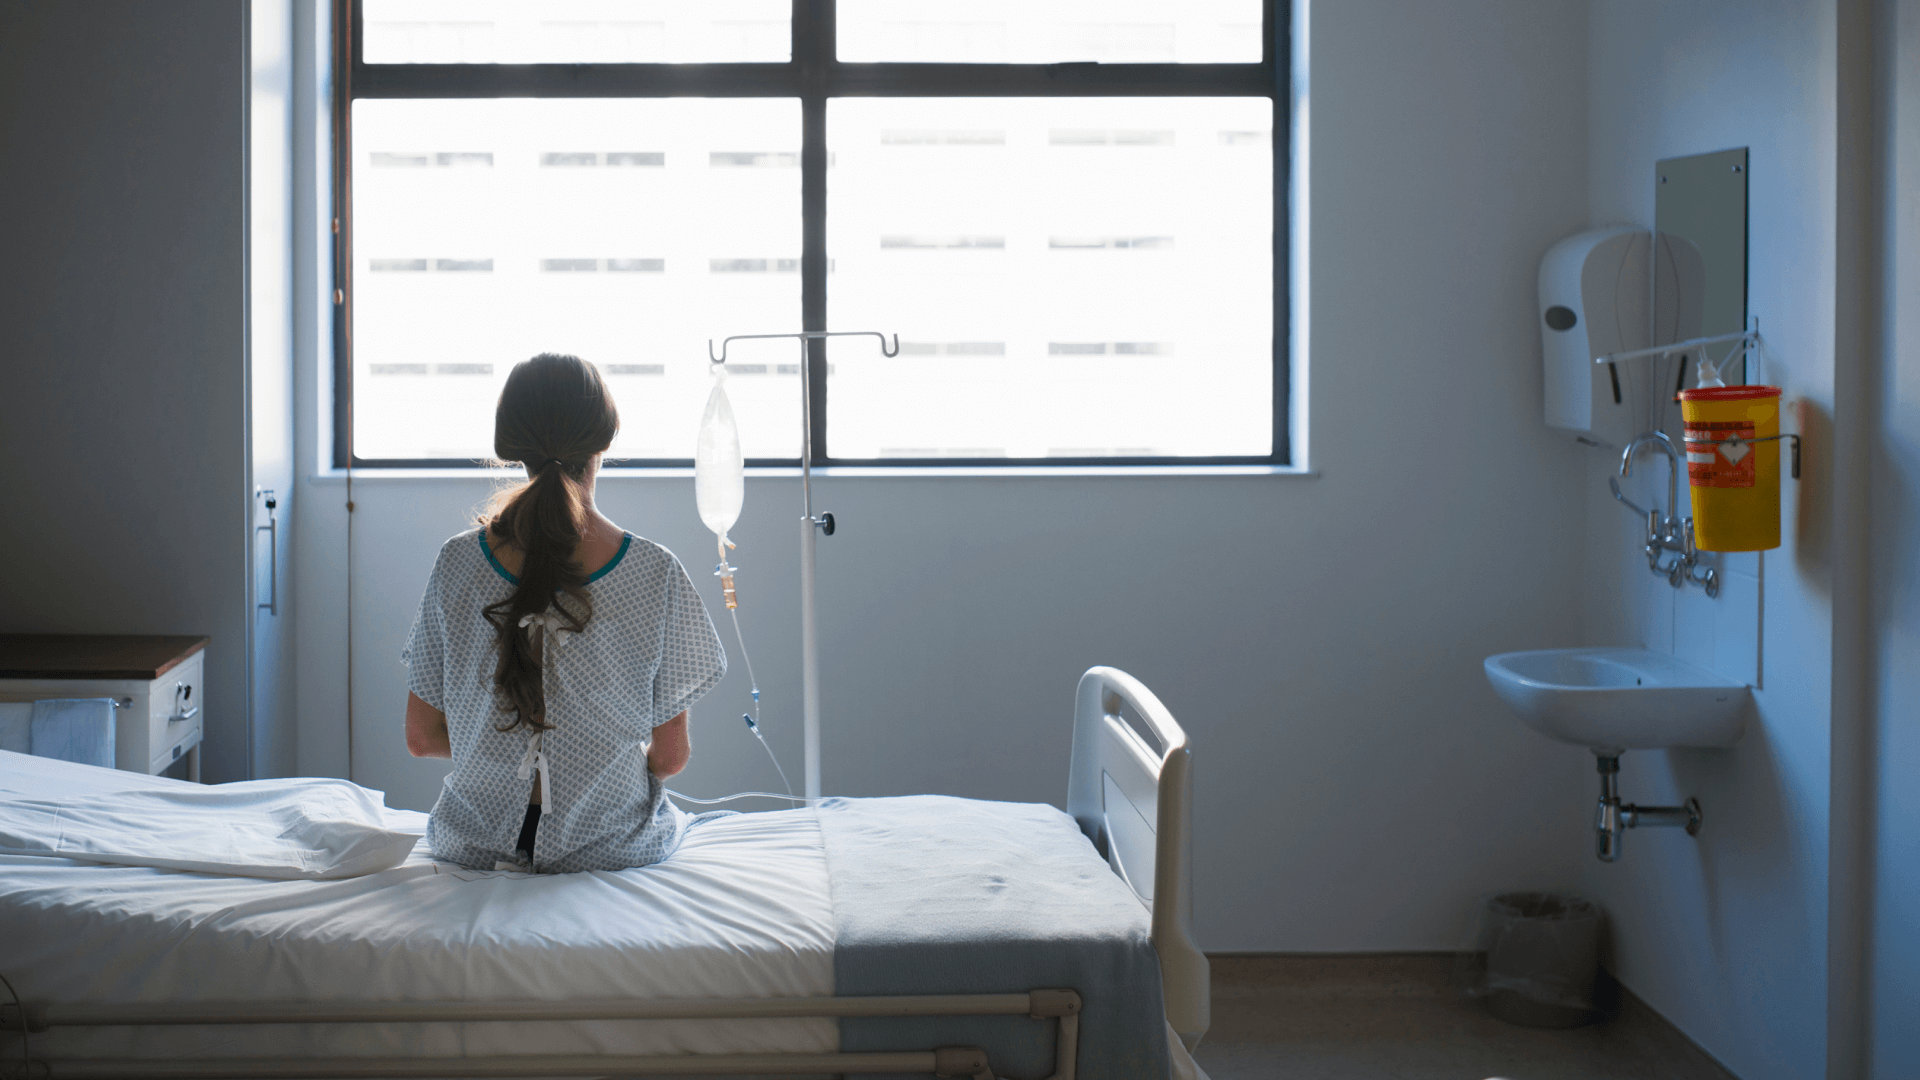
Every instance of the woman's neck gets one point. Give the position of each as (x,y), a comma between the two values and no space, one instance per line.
(597,546)
(599,541)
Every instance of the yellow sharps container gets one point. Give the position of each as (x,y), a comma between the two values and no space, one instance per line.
(1735,482)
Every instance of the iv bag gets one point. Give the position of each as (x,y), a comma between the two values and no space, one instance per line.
(719,472)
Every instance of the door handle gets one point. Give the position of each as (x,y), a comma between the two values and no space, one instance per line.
(272,529)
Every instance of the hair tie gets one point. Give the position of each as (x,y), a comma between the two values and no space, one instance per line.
(553,461)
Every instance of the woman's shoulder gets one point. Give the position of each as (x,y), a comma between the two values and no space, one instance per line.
(641,557)
(466,544)
(647,550)
(461,552)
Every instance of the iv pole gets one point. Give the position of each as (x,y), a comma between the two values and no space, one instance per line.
(809,650)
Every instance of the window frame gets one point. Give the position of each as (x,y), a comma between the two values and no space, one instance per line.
(813,75)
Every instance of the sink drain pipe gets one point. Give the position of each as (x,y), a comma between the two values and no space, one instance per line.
(1613,818)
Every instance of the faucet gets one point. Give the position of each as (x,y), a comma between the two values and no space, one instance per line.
(1666,533)
(1658,440)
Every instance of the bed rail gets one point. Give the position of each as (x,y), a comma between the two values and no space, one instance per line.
(950,1061)
(1135,802)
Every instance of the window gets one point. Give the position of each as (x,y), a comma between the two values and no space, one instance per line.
(1070,212)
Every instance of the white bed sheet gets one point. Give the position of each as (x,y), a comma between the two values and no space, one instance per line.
(283,829)
(741,910)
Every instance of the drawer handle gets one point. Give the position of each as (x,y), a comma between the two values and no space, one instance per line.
(182,694)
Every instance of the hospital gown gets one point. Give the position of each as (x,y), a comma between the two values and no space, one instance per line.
(648,653)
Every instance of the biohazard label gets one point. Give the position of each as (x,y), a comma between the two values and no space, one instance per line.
(1720,453)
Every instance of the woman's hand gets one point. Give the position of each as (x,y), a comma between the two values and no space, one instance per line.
(426,730)
(670,749)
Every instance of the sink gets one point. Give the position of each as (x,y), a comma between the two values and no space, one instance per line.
(1614,699)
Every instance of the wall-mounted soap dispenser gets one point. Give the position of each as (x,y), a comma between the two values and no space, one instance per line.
(1594,296)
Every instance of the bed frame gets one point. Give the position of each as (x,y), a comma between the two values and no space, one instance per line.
(1135,802)
(1130,798)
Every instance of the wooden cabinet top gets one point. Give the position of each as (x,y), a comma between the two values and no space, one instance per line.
(93,656)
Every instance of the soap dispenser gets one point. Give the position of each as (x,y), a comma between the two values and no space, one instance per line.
(1594,295)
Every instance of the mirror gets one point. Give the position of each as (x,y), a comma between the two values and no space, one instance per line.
(1700,269)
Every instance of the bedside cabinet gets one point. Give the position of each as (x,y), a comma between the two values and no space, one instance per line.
(155,681)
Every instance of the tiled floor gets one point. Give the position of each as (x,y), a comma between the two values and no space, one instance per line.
(1403,1018)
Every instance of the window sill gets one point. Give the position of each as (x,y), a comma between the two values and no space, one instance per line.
(833,472)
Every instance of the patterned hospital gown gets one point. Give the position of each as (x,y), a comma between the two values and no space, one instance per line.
(648,653)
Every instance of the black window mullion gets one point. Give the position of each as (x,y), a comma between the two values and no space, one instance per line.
(1050,80)
(814,75)
(346,25)
(813,51)
(1277,51)
(575,80)
(810,73)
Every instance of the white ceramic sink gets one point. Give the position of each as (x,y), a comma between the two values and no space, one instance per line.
(1611,699)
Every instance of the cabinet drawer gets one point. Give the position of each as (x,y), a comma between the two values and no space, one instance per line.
(174,711)
(187,741)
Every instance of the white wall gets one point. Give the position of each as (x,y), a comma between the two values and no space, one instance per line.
(317,537)
(1725,933)
(1359,786)
(270,369)
(123,408)
(1894,944)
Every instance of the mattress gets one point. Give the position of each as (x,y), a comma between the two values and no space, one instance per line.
(867,896)
(741,910)
(938,895)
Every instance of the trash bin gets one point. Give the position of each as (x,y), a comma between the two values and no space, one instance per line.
(1543,952)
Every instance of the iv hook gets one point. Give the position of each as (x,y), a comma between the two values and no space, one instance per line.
(806,336)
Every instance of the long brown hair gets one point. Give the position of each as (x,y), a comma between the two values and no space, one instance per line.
(554,415)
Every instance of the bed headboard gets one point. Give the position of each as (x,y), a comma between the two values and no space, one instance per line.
(1135,802)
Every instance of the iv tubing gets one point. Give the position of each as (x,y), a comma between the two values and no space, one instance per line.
(753,721)
(730,798)
(784,782)
(751,681)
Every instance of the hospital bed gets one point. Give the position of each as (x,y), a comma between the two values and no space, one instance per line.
(862,936)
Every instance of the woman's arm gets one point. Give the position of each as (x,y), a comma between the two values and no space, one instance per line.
(426,730)
(670,749)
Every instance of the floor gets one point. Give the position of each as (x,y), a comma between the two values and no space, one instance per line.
(1403,1017)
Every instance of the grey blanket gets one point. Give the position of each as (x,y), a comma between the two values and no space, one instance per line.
(937,895)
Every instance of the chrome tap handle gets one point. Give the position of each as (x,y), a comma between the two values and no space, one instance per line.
(1613,484)
(1666,531)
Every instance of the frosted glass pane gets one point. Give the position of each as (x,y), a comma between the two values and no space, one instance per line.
(1050,31)
(627,232)
(1069,277)
(576,31)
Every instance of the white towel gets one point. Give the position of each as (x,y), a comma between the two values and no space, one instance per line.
(73,729)
(16,726)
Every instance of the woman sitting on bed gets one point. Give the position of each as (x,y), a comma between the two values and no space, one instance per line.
(555,655)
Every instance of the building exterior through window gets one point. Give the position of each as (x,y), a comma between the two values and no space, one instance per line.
(1068,212)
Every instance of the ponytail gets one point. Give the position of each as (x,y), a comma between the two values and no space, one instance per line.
(555,415)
